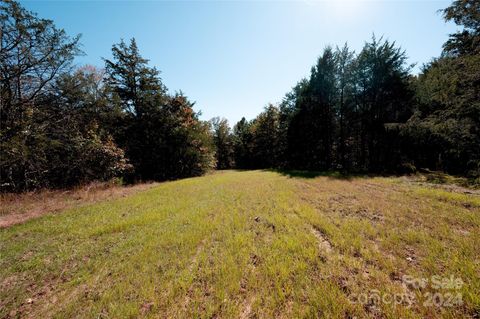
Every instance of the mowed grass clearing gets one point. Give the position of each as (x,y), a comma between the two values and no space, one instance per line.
(252,244)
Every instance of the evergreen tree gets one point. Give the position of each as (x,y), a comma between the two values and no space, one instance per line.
(243,144)
(138,86)
(383,96)
(223,143)
(265,131)
(161,134)
(345,107)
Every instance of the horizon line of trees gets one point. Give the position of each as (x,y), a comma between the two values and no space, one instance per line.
(357,112)
(61,126)
(366,112)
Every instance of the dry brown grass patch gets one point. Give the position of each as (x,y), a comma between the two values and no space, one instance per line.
(18,208)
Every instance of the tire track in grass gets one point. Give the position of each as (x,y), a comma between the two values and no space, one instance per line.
(192,265)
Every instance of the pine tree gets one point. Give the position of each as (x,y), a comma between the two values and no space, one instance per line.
(223,143)
(137,85)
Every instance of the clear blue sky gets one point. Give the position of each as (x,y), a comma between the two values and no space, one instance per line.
(232,58)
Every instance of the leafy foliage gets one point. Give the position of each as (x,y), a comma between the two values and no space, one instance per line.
(61,126)
(467,14)
(160,133)
(444,132)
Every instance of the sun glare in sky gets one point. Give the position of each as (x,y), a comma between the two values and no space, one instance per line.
(234,57)
(346,8)
(340,9)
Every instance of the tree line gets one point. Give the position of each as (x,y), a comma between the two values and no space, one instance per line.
(61,126)
(357,112)
(366,112)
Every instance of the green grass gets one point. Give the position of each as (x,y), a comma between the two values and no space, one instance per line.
(246,244)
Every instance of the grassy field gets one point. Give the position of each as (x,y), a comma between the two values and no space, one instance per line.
(253,244)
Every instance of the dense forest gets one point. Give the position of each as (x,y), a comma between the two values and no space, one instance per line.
(62,125)
(366,112)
